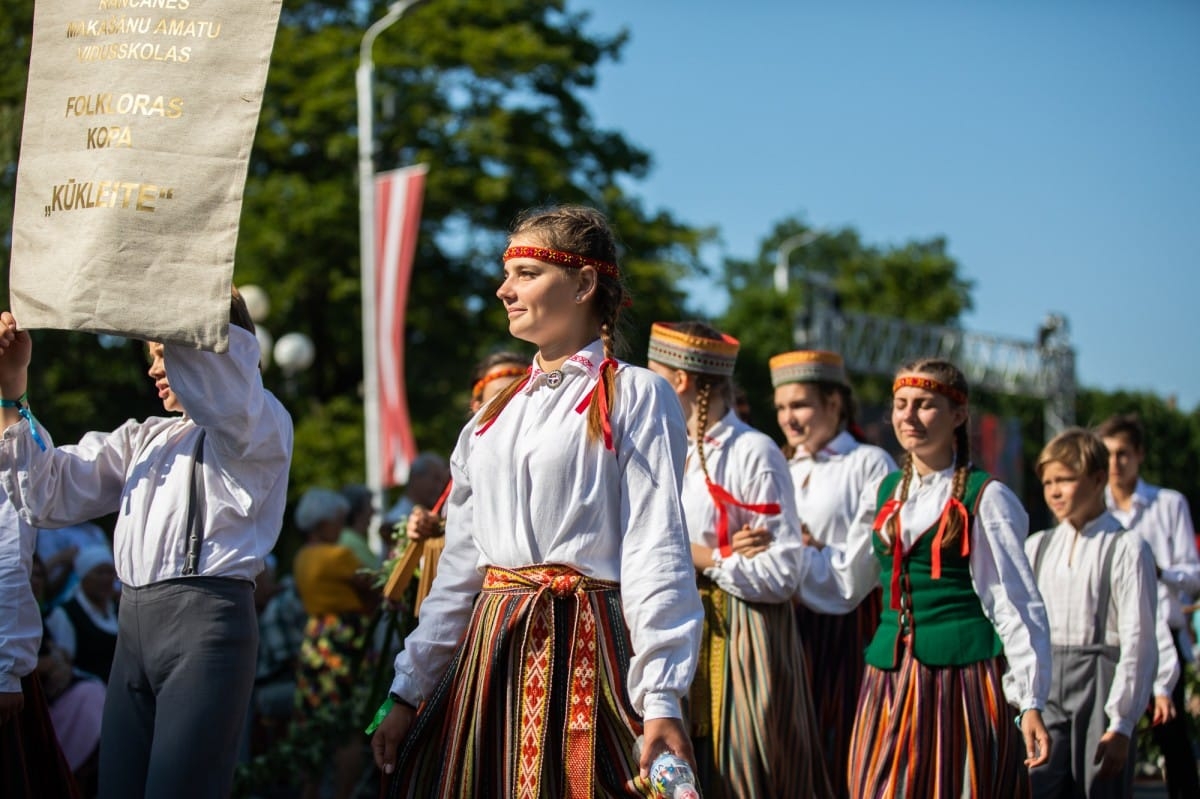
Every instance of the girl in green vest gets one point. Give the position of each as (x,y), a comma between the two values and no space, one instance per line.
(963,627)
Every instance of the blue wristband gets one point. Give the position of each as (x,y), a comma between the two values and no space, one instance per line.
(22,406)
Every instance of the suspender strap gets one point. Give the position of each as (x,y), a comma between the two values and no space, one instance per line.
(191,562)
(1041,553)
(1104,594)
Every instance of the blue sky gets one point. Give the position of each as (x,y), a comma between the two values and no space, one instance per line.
(1055,144)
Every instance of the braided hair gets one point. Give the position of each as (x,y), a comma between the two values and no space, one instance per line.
(706,384)
(944,372)
(583,231)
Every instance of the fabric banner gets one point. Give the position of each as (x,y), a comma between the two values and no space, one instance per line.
(398,196)
(139,118)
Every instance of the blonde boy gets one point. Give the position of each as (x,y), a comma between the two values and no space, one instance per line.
(1098,586)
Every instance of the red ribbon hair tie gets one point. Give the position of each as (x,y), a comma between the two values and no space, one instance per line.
(890,509)
(600,391)
(953,507)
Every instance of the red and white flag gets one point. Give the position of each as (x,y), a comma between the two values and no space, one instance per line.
(398,196)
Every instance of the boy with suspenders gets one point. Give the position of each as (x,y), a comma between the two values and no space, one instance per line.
(1098,586)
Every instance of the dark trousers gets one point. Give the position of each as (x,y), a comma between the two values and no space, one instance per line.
(179,689)
(1176,744)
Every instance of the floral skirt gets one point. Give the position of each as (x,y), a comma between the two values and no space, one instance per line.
(329,673)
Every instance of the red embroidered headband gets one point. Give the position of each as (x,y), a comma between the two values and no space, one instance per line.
(496,374)
(569,259)
(929,384)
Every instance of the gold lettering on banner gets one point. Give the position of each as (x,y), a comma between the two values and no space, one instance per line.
(161,5)
(90,105)
(188,28)
(132,51)
(123,194)
(111,136)
(108,27)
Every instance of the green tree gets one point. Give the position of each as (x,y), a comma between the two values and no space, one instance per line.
(492,95)
(918,281)
(1172,437)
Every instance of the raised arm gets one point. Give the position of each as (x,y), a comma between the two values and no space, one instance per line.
(16,350)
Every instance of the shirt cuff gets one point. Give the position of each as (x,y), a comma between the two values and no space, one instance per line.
(1123,726)
(660,705)
(10,684)
(407,692)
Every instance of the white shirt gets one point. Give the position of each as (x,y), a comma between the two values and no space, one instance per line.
(534,489)
(1161,517)
(749,465)
(1168,658)
(143,471)
(830,482)
(1069,581)
(20,619)
(1000,574)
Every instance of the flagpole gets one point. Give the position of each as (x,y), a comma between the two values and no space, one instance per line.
(364,79)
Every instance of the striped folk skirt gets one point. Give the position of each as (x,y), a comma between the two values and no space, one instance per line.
(934,733)
(752,713)
(534,703)
(834,648)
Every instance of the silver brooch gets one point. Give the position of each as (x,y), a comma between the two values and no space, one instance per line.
(553,379)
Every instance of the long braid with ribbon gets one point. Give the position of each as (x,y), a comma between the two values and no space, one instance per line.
(889,514)
(952,526)
(720,496)
(601,399)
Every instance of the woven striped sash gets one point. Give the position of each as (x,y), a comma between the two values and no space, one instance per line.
(543,584)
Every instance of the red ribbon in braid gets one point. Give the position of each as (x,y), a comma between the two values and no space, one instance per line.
(891,508)
(600,391)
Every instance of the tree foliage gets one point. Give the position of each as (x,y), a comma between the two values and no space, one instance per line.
(918,281)
(492,95)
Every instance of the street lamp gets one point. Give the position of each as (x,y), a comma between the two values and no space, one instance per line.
(293,352)
(364,79)
(786,247)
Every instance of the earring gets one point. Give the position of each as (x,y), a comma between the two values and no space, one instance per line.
(578,298)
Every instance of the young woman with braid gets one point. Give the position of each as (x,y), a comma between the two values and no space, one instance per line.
(564,620)
(830,468)
(962,627)
(751,711)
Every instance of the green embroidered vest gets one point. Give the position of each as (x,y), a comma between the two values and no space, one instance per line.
(947,621)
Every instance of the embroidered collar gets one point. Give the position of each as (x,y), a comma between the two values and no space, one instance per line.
(587,362)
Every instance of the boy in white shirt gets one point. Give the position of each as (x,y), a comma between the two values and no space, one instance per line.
(1160,516)
(1098,585)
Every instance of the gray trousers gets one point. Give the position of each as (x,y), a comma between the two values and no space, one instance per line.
(1075,719)
(179,689)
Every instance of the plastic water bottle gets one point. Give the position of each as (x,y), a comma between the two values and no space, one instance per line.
(670,775)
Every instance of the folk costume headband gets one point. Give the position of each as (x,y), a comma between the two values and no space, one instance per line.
(672,347)
(929,384)
(569,259)
(808,366)
(496,373)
